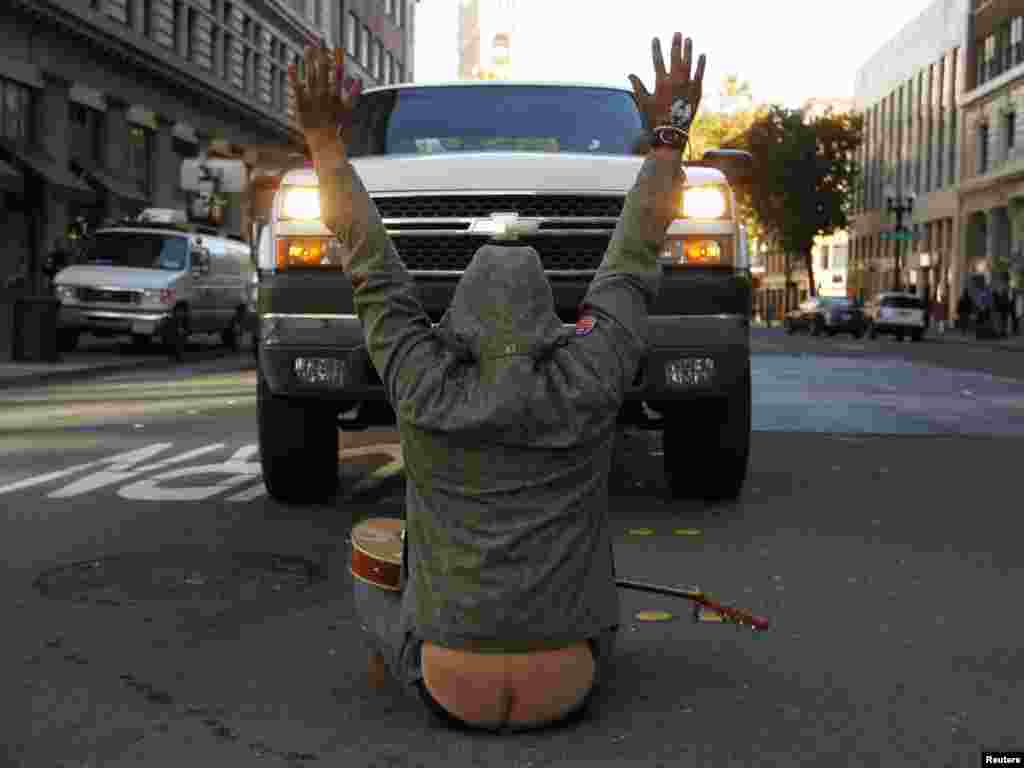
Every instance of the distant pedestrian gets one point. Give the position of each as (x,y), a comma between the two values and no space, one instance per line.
(1016,309)
(1002,308)
(964,310)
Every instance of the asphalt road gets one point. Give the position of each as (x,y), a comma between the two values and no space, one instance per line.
(164,611)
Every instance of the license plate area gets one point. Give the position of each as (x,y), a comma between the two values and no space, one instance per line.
(329,372)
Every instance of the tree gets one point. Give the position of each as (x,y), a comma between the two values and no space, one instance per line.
(724,129)
(804,178)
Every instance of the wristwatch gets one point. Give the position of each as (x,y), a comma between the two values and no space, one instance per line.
(669,136)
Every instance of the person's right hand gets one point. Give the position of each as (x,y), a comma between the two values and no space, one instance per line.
(676,95)
(324,109)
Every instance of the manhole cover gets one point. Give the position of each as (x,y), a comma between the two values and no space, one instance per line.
(138,577)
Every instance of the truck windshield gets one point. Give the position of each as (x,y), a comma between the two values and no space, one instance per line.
(496,118)
(137,249)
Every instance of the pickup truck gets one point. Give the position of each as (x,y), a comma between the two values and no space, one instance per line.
(452,166)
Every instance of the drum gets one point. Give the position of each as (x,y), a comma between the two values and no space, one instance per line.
(377,552)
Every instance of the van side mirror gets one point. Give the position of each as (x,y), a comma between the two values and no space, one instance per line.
(736,164)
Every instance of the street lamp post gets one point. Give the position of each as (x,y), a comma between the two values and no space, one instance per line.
(895,204)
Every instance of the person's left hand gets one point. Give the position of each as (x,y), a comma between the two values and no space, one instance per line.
(677,95)
(324,109)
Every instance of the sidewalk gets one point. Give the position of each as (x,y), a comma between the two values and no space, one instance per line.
(96,357)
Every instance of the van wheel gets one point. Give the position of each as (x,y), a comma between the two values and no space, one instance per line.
(176,333)
(872,331)
(706,447)
(298,448)
(67,339)
(916,335)
(232,335)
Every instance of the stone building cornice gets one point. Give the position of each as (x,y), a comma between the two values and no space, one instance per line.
(96,30)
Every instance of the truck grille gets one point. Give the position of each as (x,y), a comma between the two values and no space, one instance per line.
(117,297)
(434,253)
(473,206)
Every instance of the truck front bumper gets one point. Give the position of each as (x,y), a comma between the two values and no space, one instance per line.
(142,322)
(324,358)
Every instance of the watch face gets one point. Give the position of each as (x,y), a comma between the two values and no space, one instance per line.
(682,113)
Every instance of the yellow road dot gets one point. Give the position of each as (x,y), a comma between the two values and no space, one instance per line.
(641,531)
(654,616)
(688,532)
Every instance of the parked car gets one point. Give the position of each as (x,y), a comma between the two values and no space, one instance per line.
(896,313)
(826,314)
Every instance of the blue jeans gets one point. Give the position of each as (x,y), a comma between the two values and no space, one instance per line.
(378,612)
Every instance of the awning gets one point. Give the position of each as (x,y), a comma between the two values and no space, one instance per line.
(185,132)
(139,115)
(38,162)
(122,189)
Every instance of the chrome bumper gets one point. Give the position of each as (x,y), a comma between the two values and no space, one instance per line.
(145,322)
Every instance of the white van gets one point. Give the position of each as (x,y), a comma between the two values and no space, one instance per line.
(156,277)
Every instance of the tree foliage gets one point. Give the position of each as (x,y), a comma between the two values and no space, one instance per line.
(724,127)
(804,179)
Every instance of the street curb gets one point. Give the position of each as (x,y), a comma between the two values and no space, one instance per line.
(59,377)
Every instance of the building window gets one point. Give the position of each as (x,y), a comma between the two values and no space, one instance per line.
(389,7)
(392,75)
(140,143)
(86,133)
(371,64)
(399,72)
(1011,130)
(940,138)
(399,8)
(15,111)
(1017,40)
(215,55)
(227,59)
(176,41)
(983,149)
(190,34)
(147,18)
(364,48)
(381,61)
(352,34)
(246,73)
(986,66)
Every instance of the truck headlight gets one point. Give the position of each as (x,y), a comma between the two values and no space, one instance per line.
(67,292)
(301,203)
(703,203)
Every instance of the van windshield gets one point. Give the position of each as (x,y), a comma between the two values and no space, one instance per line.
(142,250)
(496,118)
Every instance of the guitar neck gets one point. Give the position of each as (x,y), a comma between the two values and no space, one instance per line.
(732,614)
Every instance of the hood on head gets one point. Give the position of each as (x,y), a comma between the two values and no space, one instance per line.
(503,306)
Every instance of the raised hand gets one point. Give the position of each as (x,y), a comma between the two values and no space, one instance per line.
(324,107)
(676,94)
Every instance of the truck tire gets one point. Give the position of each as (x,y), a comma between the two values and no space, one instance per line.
(706,447)
(298,448)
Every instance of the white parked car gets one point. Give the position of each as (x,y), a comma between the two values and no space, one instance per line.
(898,314)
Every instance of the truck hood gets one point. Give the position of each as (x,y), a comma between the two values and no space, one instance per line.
(121,278)
(497,172)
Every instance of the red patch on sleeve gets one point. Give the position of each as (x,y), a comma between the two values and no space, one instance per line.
(585,325)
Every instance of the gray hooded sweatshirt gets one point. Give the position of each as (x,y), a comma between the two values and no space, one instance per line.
(507,424)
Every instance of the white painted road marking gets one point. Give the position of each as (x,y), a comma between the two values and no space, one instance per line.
(124,471)
(240,468)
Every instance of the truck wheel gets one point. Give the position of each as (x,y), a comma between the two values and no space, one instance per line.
(706,448)
(232,335)
(298,448)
